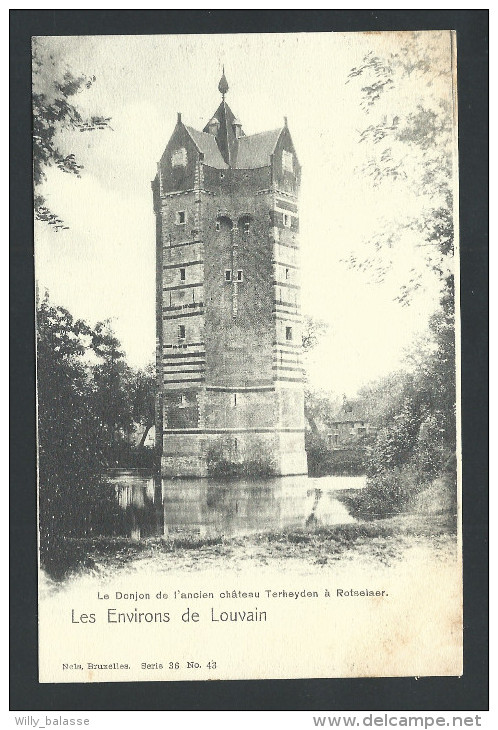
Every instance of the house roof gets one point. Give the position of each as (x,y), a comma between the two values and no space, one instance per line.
(255,150)
(350,413)
(206,143)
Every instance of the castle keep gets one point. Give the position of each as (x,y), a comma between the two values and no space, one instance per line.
(229,366)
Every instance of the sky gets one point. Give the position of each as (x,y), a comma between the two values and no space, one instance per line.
(103,265)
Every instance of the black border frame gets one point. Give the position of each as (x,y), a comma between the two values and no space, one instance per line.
(469,692)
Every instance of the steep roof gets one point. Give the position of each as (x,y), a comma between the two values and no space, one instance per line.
(350,413)
(255,150)
(225,137)
(206,144)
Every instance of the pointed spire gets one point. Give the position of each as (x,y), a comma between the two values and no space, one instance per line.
(223,85)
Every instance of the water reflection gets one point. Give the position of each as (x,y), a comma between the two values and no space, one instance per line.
(208,508)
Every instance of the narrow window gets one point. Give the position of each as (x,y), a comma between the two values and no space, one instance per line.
(180,217)
(288,333)
(181,331)
(235,399)
(182,399)
(287,161)
(182,274)
(246,226)
(218,226)
(235,443)
(228,275)
(179,158)
(287,274)
(287,220)
(240,275)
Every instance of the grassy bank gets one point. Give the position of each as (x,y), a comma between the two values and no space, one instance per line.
(403,490)
(381,541)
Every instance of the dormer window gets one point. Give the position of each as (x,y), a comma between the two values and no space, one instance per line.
(287,161)
(213,126)
(180,218)
(237,128)
(179,158)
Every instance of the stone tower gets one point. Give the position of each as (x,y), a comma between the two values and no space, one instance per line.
(229,367)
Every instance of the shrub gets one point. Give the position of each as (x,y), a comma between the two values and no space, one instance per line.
(323,461)
(385,494)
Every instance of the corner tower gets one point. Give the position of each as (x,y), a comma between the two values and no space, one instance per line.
(229,367)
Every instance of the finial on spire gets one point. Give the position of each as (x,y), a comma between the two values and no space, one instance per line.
(223,85)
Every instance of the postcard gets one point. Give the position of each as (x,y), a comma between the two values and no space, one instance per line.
(248,400)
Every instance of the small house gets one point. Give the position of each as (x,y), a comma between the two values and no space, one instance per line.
(349,426)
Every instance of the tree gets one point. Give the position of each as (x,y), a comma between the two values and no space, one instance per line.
(320,408)
(407,100)
(315,405)
(143,387)
(112,378)
(313,331)
(54,113)
(73,499)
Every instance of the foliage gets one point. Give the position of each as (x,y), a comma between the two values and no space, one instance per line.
(395,443)
(323,461)
(227,466)
(418,429)
(386,495)
(111,378)
(409,141)
(411,145)
(72,497)
(143,388)
(320,408)
(313,331)
(383,398)
(54,114)
(85,412)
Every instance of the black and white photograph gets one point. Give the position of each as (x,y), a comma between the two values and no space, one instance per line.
(247,356)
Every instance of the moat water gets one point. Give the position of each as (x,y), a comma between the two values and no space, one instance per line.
(208,508)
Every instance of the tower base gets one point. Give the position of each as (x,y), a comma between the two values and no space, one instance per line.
(245,454)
